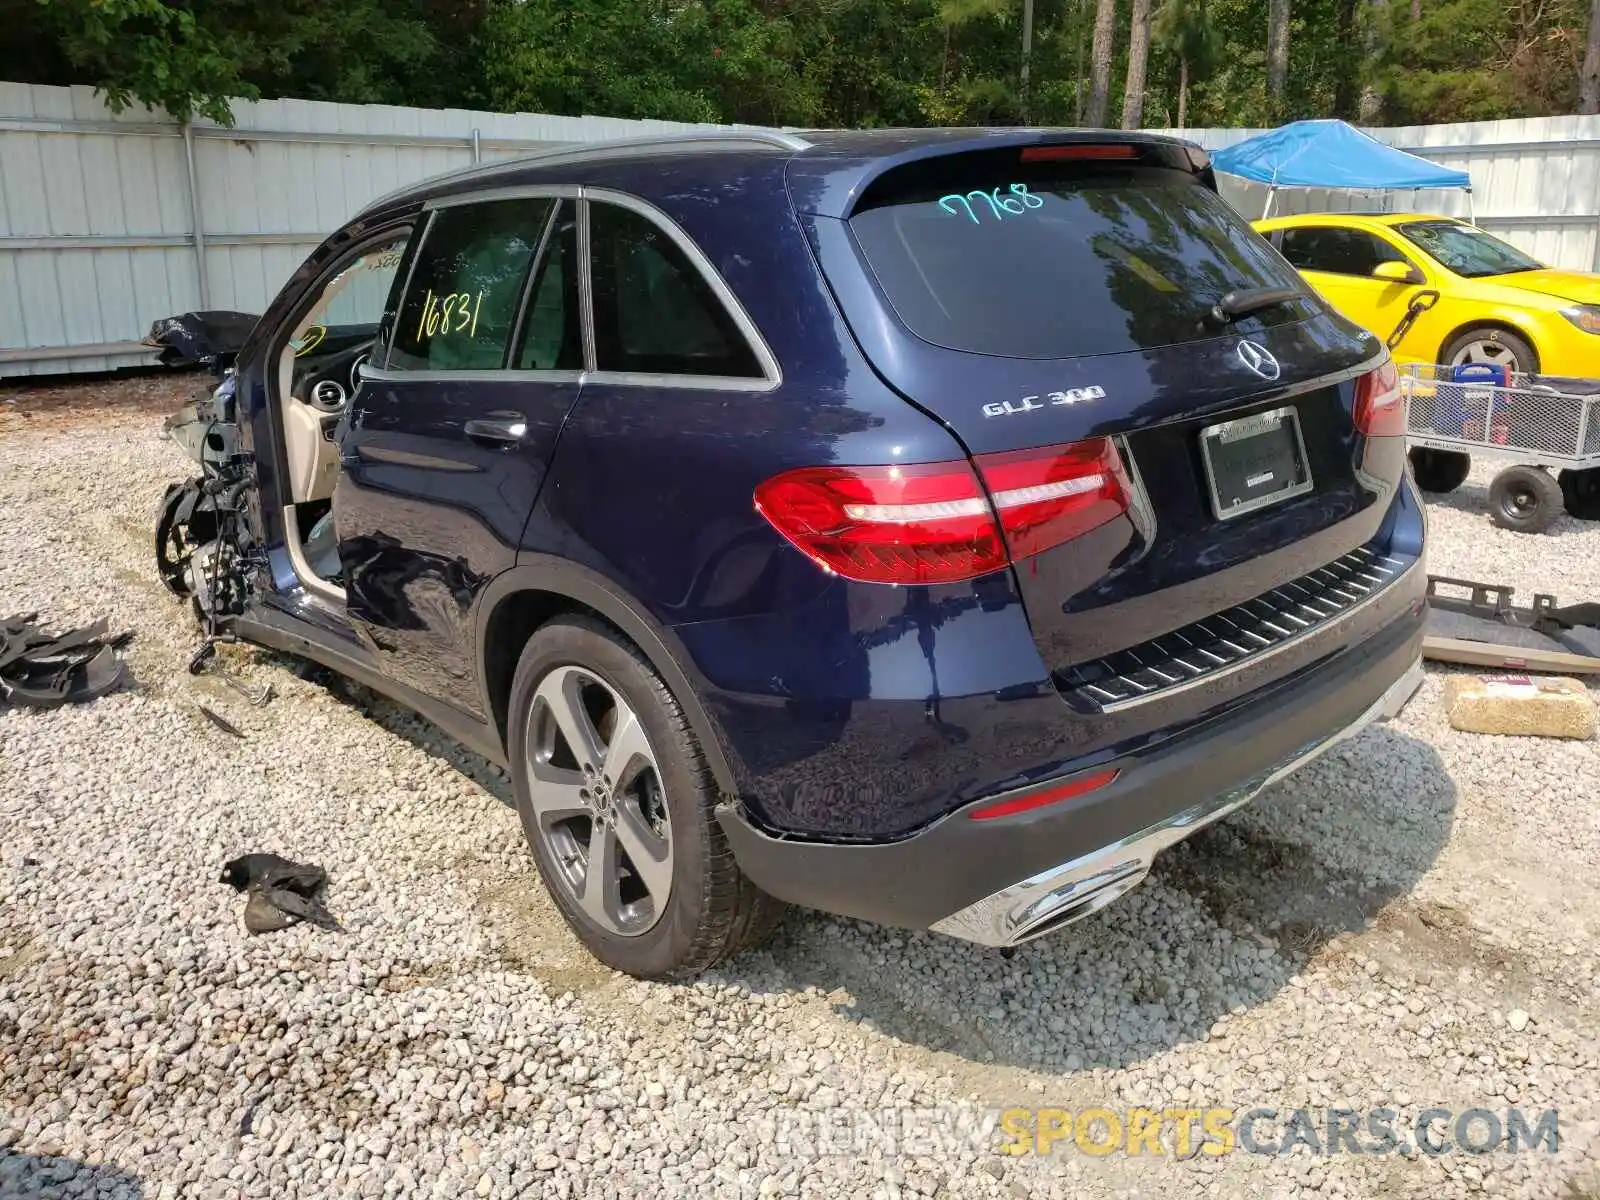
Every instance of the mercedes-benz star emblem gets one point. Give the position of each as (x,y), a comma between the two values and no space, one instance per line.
(1259,359)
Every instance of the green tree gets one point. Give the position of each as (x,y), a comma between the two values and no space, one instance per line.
(849,63)
(190,56)
(1138,59)
(148,51)
(1589,81)
(1184,30)
(1105,32)
(1477,60)
(1278,14)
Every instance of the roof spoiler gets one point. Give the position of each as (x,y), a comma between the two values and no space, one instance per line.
(842,197)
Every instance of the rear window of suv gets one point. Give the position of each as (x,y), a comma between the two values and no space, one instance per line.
(990,254)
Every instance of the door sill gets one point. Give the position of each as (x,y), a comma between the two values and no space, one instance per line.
(309,579)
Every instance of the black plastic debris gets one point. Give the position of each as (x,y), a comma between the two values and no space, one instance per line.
(279,893)
(220,721)
(206,338)
(39,669)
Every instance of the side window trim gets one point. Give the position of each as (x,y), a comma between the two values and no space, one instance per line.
(519,330)
(380,348)
(1351,232)
(771,374)
(586,286)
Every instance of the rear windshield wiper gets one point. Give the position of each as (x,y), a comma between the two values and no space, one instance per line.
(1242,303)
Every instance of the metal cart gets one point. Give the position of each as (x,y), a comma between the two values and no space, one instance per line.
(1538,424)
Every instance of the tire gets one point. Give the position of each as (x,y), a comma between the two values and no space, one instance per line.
(650,789)
(1580,492)
(1524,499)
(1439,471)
(1490,344)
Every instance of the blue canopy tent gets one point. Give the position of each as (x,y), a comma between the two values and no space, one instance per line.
(1333,154)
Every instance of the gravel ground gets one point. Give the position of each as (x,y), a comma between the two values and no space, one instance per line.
(1411,922)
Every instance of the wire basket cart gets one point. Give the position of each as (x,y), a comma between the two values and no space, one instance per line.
(1537,424)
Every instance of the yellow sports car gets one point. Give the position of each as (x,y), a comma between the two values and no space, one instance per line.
(1496,305)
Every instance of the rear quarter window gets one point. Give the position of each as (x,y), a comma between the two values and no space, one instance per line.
(1061,259)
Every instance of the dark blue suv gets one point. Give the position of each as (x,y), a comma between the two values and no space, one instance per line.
(926,526)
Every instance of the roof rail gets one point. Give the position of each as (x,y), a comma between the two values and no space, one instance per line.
(778,138)
(775,138)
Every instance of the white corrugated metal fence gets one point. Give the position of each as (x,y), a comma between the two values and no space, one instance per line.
(111,221)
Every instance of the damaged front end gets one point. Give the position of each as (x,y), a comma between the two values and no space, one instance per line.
(206,548)
(210,339)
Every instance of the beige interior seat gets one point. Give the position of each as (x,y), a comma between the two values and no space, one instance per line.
(313,459)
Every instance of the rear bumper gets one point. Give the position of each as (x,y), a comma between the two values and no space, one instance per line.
(1055,897)
(1000,882)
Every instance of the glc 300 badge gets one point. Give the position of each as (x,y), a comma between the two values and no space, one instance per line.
(1010,408)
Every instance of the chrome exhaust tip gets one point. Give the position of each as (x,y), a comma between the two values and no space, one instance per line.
(1076,901)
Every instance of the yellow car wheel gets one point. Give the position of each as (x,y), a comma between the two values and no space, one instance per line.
(1491,345)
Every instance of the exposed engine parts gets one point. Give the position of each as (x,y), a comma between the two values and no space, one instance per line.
(201,544)
(204,544)
(206,551)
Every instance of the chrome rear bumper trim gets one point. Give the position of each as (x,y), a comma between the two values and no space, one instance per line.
(1051,899)
(1120,687)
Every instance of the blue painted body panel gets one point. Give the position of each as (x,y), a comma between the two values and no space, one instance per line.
(844,710)
(427,517)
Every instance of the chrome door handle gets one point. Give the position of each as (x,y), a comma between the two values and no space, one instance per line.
(503,429)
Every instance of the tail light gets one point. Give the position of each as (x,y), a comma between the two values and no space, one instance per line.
(941,522)
(1056,493)
(1380,409)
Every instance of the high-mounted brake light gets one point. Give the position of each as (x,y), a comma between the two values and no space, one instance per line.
(1045,796)
(1079,150)
(938,522)
(1380,407)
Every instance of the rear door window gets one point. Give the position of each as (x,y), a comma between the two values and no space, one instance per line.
(654,312)
(1060,259)
(1337,251)
(552,330)
(462,298)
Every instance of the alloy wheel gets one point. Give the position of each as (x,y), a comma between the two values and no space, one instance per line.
(597,795)
(1483,351)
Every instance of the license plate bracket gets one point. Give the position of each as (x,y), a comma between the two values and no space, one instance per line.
(1255,461)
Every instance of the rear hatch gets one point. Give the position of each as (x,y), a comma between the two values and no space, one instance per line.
(1054,292)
